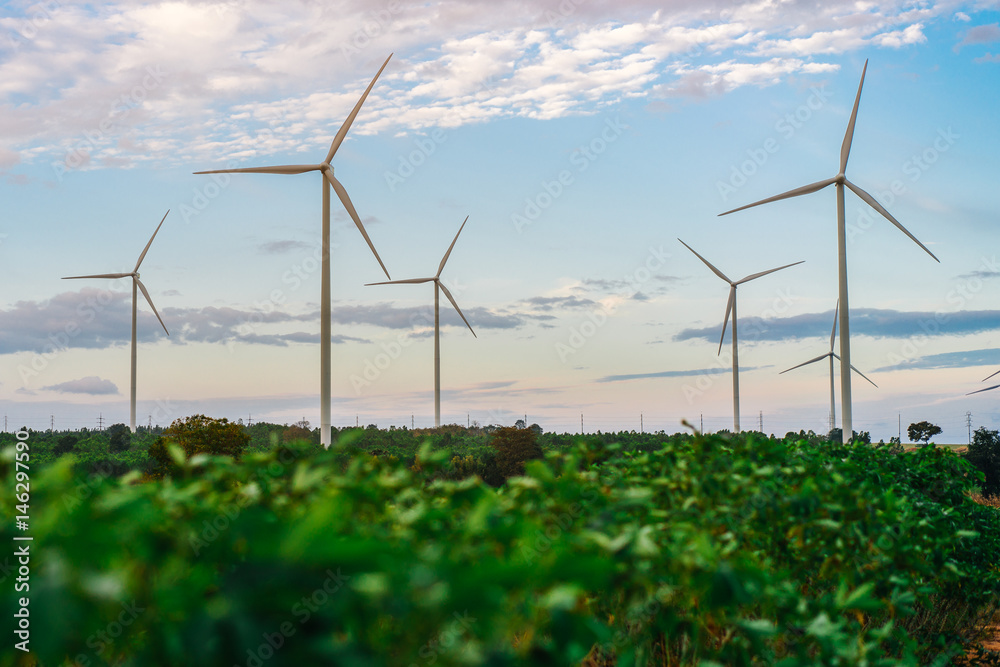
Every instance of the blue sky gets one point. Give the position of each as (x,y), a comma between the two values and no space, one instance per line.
(581,138)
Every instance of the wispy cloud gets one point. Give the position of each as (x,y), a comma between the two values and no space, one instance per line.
(965,359)
(873,322)
(674,374)
(91,385)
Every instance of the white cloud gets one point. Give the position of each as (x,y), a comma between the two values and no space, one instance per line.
(78,86)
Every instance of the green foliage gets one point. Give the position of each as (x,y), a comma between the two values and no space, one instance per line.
(984,454)
(66,444)
(119,438)
(195,435)
(638,550)
(922,431)
(514,446)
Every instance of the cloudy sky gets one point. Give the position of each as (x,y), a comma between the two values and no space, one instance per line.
(582,138)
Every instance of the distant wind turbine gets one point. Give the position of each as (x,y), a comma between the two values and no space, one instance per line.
(832,355)
(840,180)
(136,284)
(979,391)
(731,308)
(438,287)
(328,179)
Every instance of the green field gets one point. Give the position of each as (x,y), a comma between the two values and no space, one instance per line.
(637,549)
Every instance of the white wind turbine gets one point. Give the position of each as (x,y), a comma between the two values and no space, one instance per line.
(832,355)
(731,308)
(979,391)
(136,284)
(438,287)
(328,179)
(840,180)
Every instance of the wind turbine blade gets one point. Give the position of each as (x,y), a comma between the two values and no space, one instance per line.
(979,391)
(452,299)
(988,377)
(339,139)
(845,148)
(806,363)
(837,357)
(729,309)
(888,216)
(346,200)
(804,190)
(411,281)
(142,288)
(447,254)
(103,275)
(707,263)
(836,319)
(284,169)
(764,273)
(146,249)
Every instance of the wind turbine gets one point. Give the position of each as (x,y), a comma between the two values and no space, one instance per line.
(979,391)
(136,283)
(438,287)
(731,308)
(328,179)
(832,355)
(840,180)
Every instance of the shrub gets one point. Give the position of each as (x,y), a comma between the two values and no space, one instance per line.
(66,444)
(984,455)
(119,438)
(198,435)
(513,447)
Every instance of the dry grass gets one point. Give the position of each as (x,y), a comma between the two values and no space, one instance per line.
(993,501)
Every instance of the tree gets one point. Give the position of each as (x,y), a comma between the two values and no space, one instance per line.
(119,438)
(519,424)
(984,454)
(66,444)
(922,431)
(513,447)
(198,434)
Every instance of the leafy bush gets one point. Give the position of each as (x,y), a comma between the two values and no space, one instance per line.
(984,454)
(733,550)
(197,434)
(514,446)
(119,438)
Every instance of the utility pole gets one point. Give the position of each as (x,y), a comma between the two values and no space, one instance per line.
(411,422)
(640,423)
(701,421)
(468,420)
(5,423)
(968,422)
(761,422)
(899,426)
(249,419)
(355,421)
(52,423)
(150,423)
(100,422)
(581,423)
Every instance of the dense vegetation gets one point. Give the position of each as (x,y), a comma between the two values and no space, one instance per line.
(716,550)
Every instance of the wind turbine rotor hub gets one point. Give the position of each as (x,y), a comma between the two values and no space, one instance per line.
(841,177)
